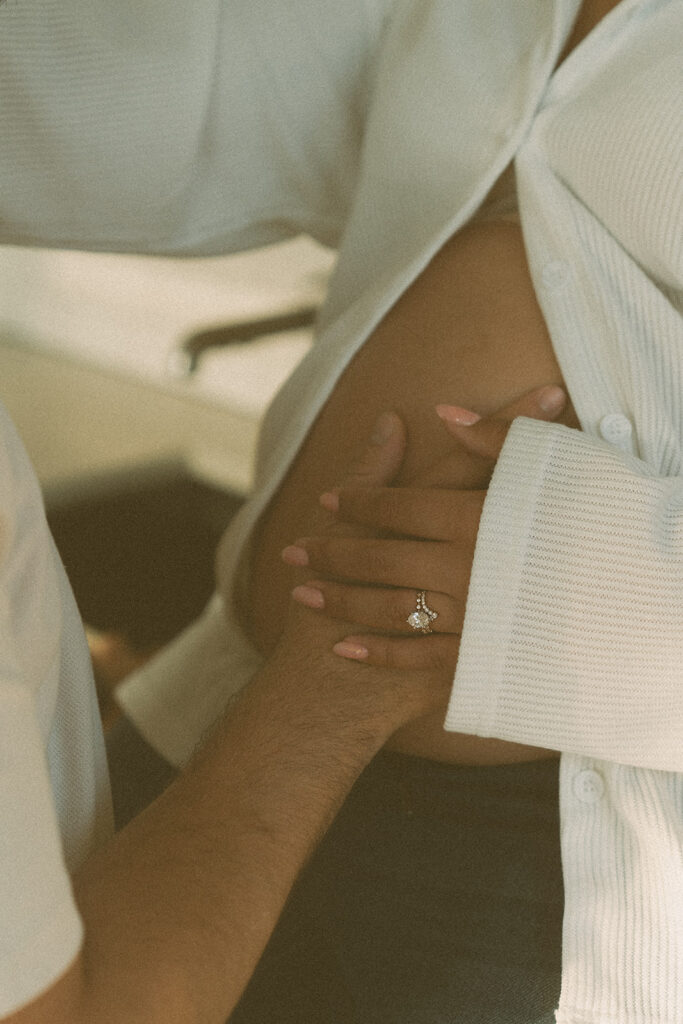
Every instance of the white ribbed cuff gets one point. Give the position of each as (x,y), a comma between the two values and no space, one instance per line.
(496,573)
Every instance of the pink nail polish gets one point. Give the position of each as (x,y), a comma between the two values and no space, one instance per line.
(351,650)
(309,596)
(552,399)
(294,555)
(330,501)
(456,414)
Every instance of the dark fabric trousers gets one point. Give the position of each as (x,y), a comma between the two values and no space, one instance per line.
(435,898)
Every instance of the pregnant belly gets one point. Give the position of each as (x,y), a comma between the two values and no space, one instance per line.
(468,331)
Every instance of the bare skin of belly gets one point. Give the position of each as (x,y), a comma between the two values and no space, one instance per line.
(468,331)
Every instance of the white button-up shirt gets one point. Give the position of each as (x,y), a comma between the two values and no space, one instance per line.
(379,127)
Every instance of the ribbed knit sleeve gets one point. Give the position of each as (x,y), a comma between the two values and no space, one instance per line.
(573,637)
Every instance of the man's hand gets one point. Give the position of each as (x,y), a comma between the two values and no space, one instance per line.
(374,581)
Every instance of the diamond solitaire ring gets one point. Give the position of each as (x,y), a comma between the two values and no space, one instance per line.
(421,619)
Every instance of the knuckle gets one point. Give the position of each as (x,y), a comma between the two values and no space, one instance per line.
(337,556)
(394,654)
(347,606)
(381,652)
(364,472)
(390,505)
(352,502)
(376,561)
(399,608)
(374,506)
(451,559)
(316,548)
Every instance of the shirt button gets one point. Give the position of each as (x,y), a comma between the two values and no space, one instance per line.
(555,275)
(588,786)
(616,428)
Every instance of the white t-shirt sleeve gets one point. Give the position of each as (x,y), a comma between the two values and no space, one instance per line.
(573,636)
(40,928)
(54,802)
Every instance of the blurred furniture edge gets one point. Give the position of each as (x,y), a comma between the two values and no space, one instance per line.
(184,361)
(76,420)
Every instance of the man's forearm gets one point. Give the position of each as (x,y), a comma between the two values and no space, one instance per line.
(179,907)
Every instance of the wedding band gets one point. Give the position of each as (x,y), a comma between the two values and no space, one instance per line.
(421,619)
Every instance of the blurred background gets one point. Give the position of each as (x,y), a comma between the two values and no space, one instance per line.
(138,385)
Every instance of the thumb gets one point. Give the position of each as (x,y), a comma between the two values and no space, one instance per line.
(383,454)
(379,461)
(485,436)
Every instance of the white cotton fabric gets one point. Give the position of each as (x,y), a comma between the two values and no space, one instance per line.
(54,795)
(380,128)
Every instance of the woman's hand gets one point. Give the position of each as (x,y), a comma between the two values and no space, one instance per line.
(355,702)
(424,540)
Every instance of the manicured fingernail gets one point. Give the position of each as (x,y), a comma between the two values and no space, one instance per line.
(349,649)
(384,428)
(551,399)
(330,501)
(456,414)
(309,596)
(294,555)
